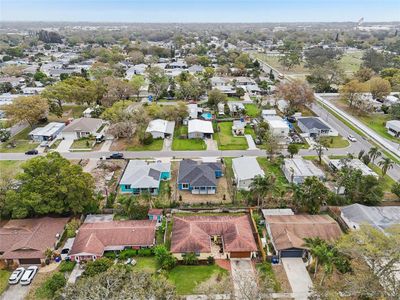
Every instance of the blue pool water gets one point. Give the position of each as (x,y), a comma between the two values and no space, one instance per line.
(206,116)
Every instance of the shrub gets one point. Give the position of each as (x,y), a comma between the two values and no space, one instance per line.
(190,259)
(147,138)
(164,258)
(127,253)
(72,227)
(110,255)
(49,288)
(210,260)
(67,266)
(145,252)
(98,266)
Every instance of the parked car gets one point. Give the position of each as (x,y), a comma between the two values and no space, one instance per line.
(116,156)
(29,275)
(291,119)
(67,249)
(32,152)
(352,138)
(16,275)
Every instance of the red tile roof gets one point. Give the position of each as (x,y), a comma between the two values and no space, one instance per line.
(155,211)
(94,238)
(193,233)
(289,231)
(29,238)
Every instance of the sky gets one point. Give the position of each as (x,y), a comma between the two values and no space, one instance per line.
(202,11)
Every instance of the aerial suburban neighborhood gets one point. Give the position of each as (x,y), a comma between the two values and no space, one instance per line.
(230,160)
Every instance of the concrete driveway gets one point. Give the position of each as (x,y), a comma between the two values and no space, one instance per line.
(167,145)
(15,292)
(244,279)
(298,277)
(250,142)
(65,145)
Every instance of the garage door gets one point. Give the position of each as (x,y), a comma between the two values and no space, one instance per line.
(29,261)
(240,254)
(292,253)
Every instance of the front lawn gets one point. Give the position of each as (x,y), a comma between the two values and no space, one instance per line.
(225,139)
(335,141)
(377,123)
(21,142)
(186,278)
(9,166)
(275,169)
(182,144)
(83,143)
(156,145)
(252,110)
(4,275)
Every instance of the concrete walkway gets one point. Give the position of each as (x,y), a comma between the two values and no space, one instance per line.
(106,146)
(250,142)
(298,277)
(91,165)
(76,272)
(167,145)
(244,279)
(65,145)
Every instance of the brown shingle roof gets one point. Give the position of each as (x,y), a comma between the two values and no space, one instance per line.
(93,238)
(29,238)
(193,233)
(289,231)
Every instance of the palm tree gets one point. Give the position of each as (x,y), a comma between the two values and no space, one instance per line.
(374,153)
(386,164)
(261,186)
(314,244)
(320,147)
(323,253)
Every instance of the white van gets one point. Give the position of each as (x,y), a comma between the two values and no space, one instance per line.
(67,248)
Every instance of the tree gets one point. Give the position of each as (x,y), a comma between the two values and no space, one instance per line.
(374,153)
(326,75)
(290,54)
(215,97)
(132,208)
(97,266)
(261,186)
(120,282)
(380,88)
(386,164)
(116,90)
(137,82)
(293,149)
(364,74)
(164,258)
(320,147)
(158,81)
(136,57)
(30,109)
(39,76)
(311,194)
(374,60)
(396,189)
(320,56)
(395,111)
(52,285)
(297,93)
(117,112)
(51,185)
(352,92)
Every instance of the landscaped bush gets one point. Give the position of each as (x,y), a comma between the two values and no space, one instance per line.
(190,259)
(72,227)
(145,252)
(127,253)
(164,258)
(49,288)
(210,260)
(98,266)
(67,266)
(110,255)
(147,138)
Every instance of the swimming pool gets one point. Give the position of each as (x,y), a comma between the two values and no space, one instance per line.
(206,116)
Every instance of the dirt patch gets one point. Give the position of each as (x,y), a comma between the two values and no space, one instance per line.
(281,277)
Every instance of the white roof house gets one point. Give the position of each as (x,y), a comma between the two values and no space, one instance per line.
(236,106)
(194,111)
(337,164)
(298,169)
(244,170)
(277,212)
(277,126)
(268,112)
(161,128)
(393,127)
(200,126)
(48,132)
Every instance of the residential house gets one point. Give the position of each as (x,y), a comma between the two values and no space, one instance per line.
(141,177)
(221,237)
(277,126)
(199,177)
(200,129)
(82,127)
(24,241)
(194,111)
(238,127)
(196,69)
(338,164)
(393,128)
(315,127)
(244,170)
(161,128)
(93,239)
(87,113)
(380,217)
(282,105)
(265,113)
(236,107)
(46,133)
(296,170)
(155,214)
(287,232)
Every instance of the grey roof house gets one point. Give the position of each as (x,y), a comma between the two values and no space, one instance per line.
(199,177)
(82,127)
(244,170)
(315,127)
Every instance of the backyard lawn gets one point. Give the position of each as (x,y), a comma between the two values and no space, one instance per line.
(21,141)
(252,110)
(386,182)
(182,144)
(4,275)
(335,141)
(69,111)
(156,145)
(225,139)
(147,264)
(275,169)
(186,278)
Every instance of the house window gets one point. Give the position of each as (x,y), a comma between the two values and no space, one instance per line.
(185,186)
(127,186)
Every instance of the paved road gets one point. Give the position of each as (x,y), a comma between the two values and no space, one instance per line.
(298,277)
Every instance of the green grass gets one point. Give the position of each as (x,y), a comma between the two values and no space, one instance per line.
(147,264)
(82,143)
(265,270)
(273,61)
(9,167)
(386,181)
(350,62)
(234,99)
(74,111)
(183,144)
(156,145)
(4,275)
(186,278)
(252,110)
(335,141)
(22,142)
(250,130)
(275,169)
(377,123)
(225,139)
